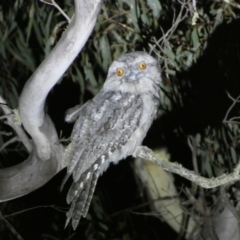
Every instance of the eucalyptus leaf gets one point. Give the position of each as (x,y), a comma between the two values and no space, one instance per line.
(234,155)
(206,167)
(30,22)
(80,80)
(105,53)
(155,6)
(195,39)
(88,70)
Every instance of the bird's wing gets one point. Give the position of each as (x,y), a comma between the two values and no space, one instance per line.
(104,126)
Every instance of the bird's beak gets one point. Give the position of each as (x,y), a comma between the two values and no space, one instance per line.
(132,76)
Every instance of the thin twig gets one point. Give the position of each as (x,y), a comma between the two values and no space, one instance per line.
(234,4)
(9,116)
(30,209)
(194,5)
(53,3)
(164,40)
(5,133)
(10,141)
(12,229)
(235,101)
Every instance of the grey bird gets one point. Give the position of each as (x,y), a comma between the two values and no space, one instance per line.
(110,126)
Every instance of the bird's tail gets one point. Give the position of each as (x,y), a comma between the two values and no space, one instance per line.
(80,195)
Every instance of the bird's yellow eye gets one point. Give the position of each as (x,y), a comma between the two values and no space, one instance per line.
(119,72)
(142,65)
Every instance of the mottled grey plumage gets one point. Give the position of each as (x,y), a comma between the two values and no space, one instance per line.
(109,127)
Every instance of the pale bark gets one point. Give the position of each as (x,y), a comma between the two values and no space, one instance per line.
(46,153)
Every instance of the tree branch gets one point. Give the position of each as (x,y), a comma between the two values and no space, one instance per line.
(147,154)
(32,99)
(34,172)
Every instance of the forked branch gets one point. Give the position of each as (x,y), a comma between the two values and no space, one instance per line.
(46,153)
